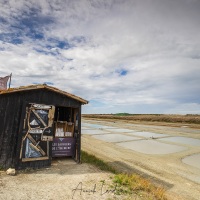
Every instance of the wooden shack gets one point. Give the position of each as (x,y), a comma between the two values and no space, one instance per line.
(38,122)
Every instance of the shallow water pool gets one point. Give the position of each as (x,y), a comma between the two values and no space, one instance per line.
(93,131)
(99,126)
(151,147)
(149,134)
(193,160)
(120,130)
(115,137)
(182,140)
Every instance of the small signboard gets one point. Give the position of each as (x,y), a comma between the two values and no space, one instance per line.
(63,147)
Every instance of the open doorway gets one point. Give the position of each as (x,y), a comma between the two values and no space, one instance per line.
(66,134)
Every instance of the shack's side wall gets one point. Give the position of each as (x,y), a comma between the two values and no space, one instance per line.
(10,113)
(11,107)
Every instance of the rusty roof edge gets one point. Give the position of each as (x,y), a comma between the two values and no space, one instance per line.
(42,86)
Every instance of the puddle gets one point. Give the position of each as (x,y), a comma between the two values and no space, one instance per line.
(151,147)
(84,127)
(149,134)
(195,177)
(84,124)
(119,130)
(93,125)
(182,140)
(93,132)
(193,160)
(108,127)
(97,126)
(115,137)
(180,129)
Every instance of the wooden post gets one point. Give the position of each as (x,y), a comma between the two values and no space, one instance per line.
(10,80)
(79,136)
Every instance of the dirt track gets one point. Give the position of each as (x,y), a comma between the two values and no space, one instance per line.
(64,180)
(166,170)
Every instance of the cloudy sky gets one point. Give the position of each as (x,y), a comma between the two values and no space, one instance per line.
(122,55)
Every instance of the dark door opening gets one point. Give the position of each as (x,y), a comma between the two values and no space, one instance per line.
(65,135)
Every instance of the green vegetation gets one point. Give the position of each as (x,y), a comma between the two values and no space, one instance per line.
(91,159)
(129,184)
(122,114)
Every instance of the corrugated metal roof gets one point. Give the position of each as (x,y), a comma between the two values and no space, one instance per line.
(43,86)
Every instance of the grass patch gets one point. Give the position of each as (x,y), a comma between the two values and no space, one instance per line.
(127,184)
(91,159)
(133,183)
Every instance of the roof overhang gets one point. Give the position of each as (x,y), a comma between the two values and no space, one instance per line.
(43,86)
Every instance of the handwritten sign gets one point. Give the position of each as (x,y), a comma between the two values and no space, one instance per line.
(63,147)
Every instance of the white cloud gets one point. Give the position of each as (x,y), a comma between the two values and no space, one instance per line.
(157,43)
(192,108)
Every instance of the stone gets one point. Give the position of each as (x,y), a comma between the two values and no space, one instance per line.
(11,171)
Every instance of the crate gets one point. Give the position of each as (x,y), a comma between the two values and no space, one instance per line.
(64,129)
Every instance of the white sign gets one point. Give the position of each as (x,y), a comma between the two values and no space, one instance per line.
(41,106)
(36,131)
(34,122)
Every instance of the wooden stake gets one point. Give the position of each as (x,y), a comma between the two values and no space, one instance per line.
(35,145)
(10,80)
(41,120)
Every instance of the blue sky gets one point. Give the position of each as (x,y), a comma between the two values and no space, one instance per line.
(122,55)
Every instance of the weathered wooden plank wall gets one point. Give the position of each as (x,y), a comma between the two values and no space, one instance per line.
(9,117)
(11,107)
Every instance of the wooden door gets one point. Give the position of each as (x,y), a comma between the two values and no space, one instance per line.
(37,133)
